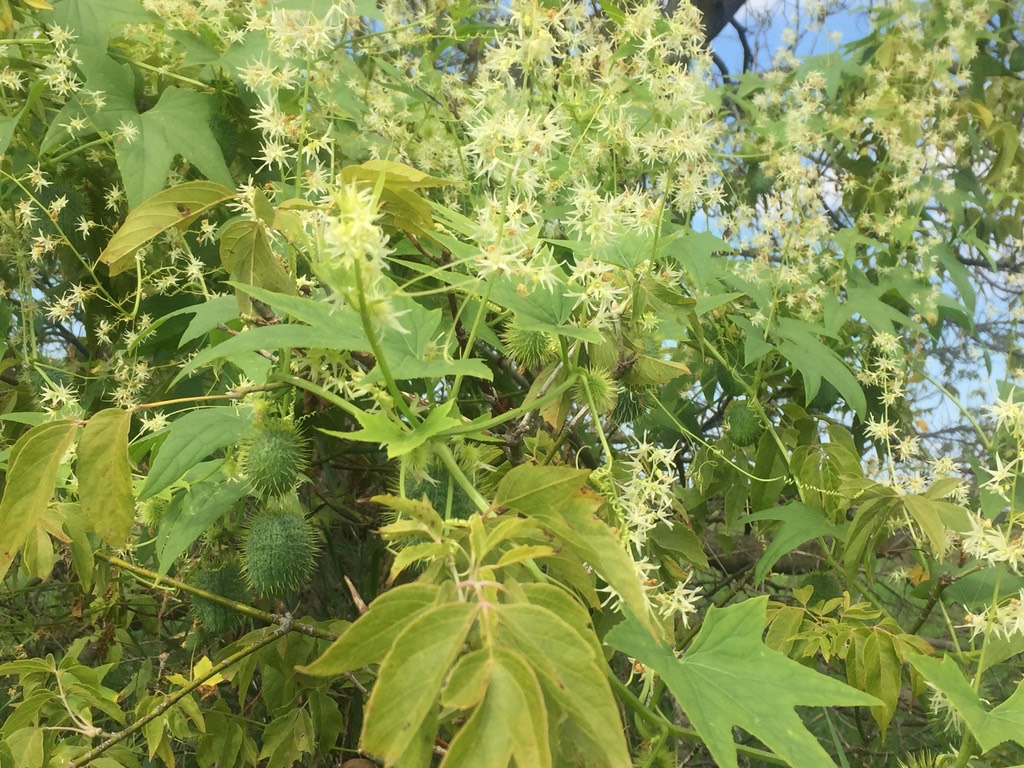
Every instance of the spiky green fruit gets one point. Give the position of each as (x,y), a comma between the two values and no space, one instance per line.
(528,348)
(826,587)
(633,402)
(274,456)
(597,388)
(151,512)
(437,495)
(280,548)
(743,425)
(225,581)
(226,133)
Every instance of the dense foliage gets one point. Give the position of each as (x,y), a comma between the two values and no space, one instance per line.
(443,383)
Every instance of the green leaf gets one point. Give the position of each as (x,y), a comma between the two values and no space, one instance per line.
(410,677)
(399,440)
(31,475)
(105,476)
(815,361)
(287,738)
(572,673)
(177,125)
(533,489)
(367,640)
(800,524)
(273,337)
(175,207)
(8,125)
(420,511)
(246,253)
(730,678)
(510,723)
(934,517)
(991,727)
(566,607)
(192,513)
(27,744)
(414,352)
(117,82)
(192,438)
(553,497)
(96,21)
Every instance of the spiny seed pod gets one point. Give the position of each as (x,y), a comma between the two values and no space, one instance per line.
(596,388)
(151,511)
(437,494)
(528,348)
(826,586)
(225,581)
(280,548)
(743,425)
(273,456)
(226,134)
(633,403)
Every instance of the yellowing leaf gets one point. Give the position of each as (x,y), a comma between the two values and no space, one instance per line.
(31,474)
(553,497)
(105,476)
(410,678)
(367,640)
(175,207)
(573,675)
(510,723)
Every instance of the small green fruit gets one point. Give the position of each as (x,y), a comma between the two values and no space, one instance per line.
(437,495)
(151,512)
(273,457)
(528,348)
(280,548)
(225,581)
(826,587)
(597,388)
(633,403)
(743,425)
(226,134)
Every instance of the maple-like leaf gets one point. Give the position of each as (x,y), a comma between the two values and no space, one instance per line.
(991,727)
(177,125)
(730,678)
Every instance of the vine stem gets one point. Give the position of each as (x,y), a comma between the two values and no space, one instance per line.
(284,627)
(243,608)
(378,354)
(266,617)
(235,394)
